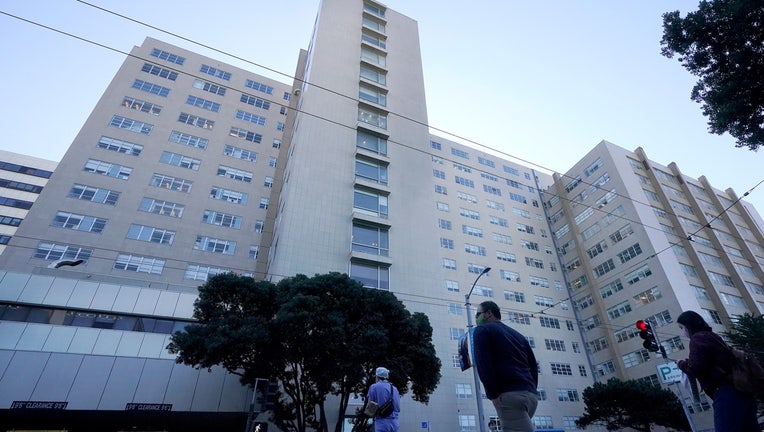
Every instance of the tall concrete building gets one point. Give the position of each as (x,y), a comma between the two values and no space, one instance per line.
(189,167)
(640,240)
(22,178)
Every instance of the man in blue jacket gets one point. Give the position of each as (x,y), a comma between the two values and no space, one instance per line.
(380,392)
(507,368)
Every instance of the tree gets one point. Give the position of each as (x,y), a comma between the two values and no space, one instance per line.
(723,44)
(317,336)
(747,333)
(618,405)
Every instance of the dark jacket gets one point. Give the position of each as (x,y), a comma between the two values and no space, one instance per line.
(504,360)
(710,361)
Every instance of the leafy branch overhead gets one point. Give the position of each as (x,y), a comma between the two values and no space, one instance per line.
(722,43)
(318,336)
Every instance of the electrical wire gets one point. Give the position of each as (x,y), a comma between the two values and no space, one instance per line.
(708,225)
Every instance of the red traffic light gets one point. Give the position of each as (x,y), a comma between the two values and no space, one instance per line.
(643,325)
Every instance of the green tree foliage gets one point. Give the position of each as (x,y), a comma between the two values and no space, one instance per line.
(722,43)
(317,336)
(747,333)
(617,405)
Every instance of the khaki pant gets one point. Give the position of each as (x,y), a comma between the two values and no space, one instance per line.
(515,410)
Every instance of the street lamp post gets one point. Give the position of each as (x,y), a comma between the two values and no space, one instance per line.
(478,392)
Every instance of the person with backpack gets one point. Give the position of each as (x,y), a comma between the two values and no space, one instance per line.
(710,362)
(382,392)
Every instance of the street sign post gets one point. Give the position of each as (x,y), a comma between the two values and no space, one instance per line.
(669,373)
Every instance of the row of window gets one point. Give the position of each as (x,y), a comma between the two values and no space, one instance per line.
(91,319)
(205,69)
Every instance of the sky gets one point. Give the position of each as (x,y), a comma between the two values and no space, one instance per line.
(539,82)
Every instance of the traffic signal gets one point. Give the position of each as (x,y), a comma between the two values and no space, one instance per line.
(271,395)
(646,333)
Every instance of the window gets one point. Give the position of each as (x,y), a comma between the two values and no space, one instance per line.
(240,153)
(544,301)
(247,135)
(501,238)
(164,55)
(370,239)
(373,74)
(120,146)
(494,220)
(249,117)
(139,264)
(474,249)
(259,226)
(161,207)
(541,282)
(371,142)
(561,369)
(254,251)
(494,205)
(722,279)
(446,243)
(371,275)
(604,268)
(509,275)
(264,202)
(87,193)
(197,121)
(209,87)
(449,264)
(254,85)
(268,182)
(567,395)
(533,262)
(506,256)
(549,322)
(179,160)
(131,125)
(159,71)
(202,272)
(151,88)
(372,117)
(463,391)
(235,174)
(78,222)
(469,213)
(370,170)
(217,73)
(611,288)
(255,102)
(107,169)
(170,183)
(221,219)
(637,275)
(372,94)
(188,140)
(621,234)
(215,245)
(460,153)
(373,56)
(629,253)
(10,221)
(452,285)
(203,103)
(150,234)
(619,310)
(370,203)
(444,224)
(486,162)
(53,251)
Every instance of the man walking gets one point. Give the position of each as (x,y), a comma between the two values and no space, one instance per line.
(507,368)
(380,392)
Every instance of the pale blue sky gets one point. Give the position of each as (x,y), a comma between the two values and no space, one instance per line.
(543,81)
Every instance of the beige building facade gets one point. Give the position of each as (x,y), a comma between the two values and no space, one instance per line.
(189,167)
